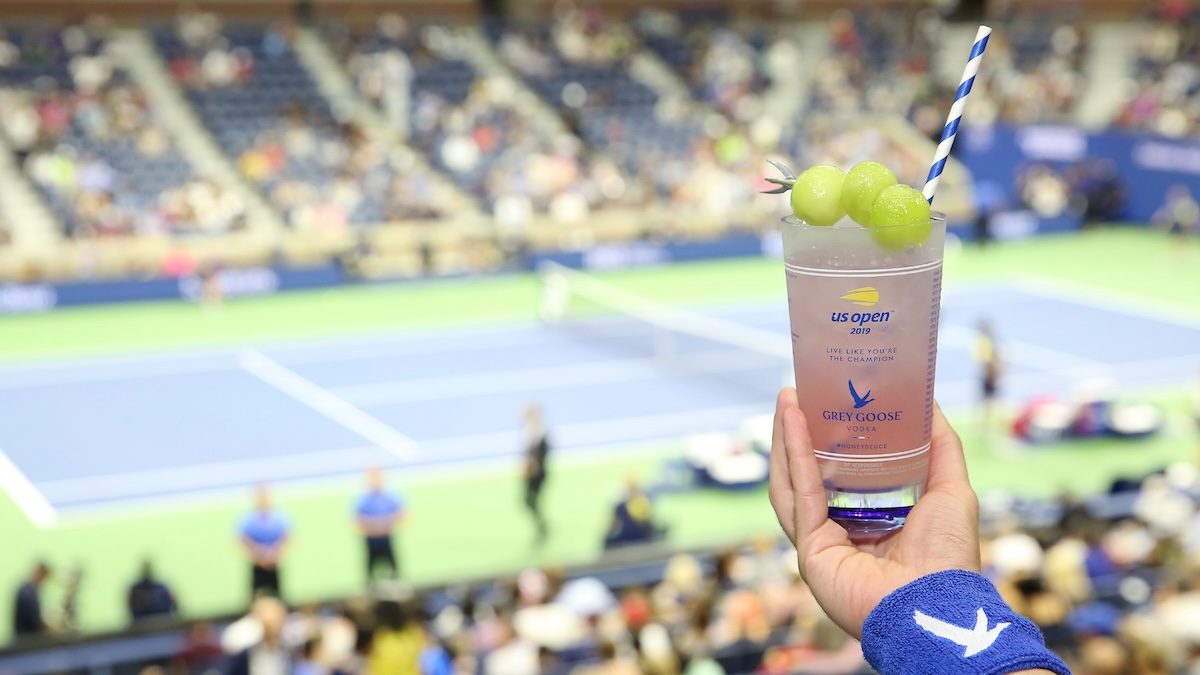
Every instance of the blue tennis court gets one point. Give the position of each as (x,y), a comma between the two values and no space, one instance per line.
(83,433)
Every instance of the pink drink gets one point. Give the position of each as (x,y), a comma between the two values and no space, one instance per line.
(864,342)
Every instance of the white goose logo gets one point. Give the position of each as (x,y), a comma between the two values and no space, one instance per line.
(974,639)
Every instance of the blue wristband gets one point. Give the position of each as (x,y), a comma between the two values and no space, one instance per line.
(949,623)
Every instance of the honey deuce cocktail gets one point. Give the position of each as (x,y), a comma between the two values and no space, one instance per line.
(864,293)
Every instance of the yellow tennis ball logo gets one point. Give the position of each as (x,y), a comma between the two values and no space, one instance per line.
(863,297)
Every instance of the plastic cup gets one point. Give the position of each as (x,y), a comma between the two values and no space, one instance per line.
(864,308)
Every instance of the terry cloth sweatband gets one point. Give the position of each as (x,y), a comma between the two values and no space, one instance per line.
(949,623)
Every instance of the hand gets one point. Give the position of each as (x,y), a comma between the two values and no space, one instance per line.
(850,575)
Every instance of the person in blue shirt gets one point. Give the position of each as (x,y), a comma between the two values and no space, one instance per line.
(378,513)
(264,536)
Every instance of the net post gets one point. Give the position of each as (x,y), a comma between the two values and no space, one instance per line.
(554,294)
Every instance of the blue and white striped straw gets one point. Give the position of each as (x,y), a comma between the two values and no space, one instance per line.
(956,111)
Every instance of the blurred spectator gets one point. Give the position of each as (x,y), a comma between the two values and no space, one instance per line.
(537,451)
(27,608)
(212,286)
(306,663)
(149,597)
(266,654)
(633,519)
(1164,92)
(1095,182)
(1013,555)
(378,513)
(399,637)
(200,651)
(754,610)
(612,662)
(264,532)
(209,61)
(382,68)
(1043,190)
(1180,214)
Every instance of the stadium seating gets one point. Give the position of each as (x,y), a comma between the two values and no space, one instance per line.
(268,115)
(629,144)
(1164,93)
(721,63)
(612,112)
(438,82)
(95,153)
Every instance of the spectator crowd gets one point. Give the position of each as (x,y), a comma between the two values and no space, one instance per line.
(608,128)
(1164,95)
(88,139)
(1111,580)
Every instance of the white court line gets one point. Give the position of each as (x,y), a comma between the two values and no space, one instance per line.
(104,369)
(1157,373)
(27,497)
(328,404)
(50,378)
(155,506)
(478,455)
(521,335)
(332,348)
(1172,367)
(606,431)
(526,336)
(51,363)
(471,448)
(208,475)
(1015,351)
(552,377)
(1115,301)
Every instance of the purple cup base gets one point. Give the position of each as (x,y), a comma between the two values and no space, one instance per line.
(870,520)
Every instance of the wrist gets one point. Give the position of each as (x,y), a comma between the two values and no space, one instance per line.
(953,622)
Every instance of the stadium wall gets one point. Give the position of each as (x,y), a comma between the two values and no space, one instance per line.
(1145,166)
(257,281)
(235,282)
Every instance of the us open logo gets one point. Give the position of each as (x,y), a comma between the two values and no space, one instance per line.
(866,296)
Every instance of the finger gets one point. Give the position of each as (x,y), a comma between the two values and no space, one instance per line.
(780,484)
(808,490)
(947,464)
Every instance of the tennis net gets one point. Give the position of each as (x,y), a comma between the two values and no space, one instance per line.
(610,312)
